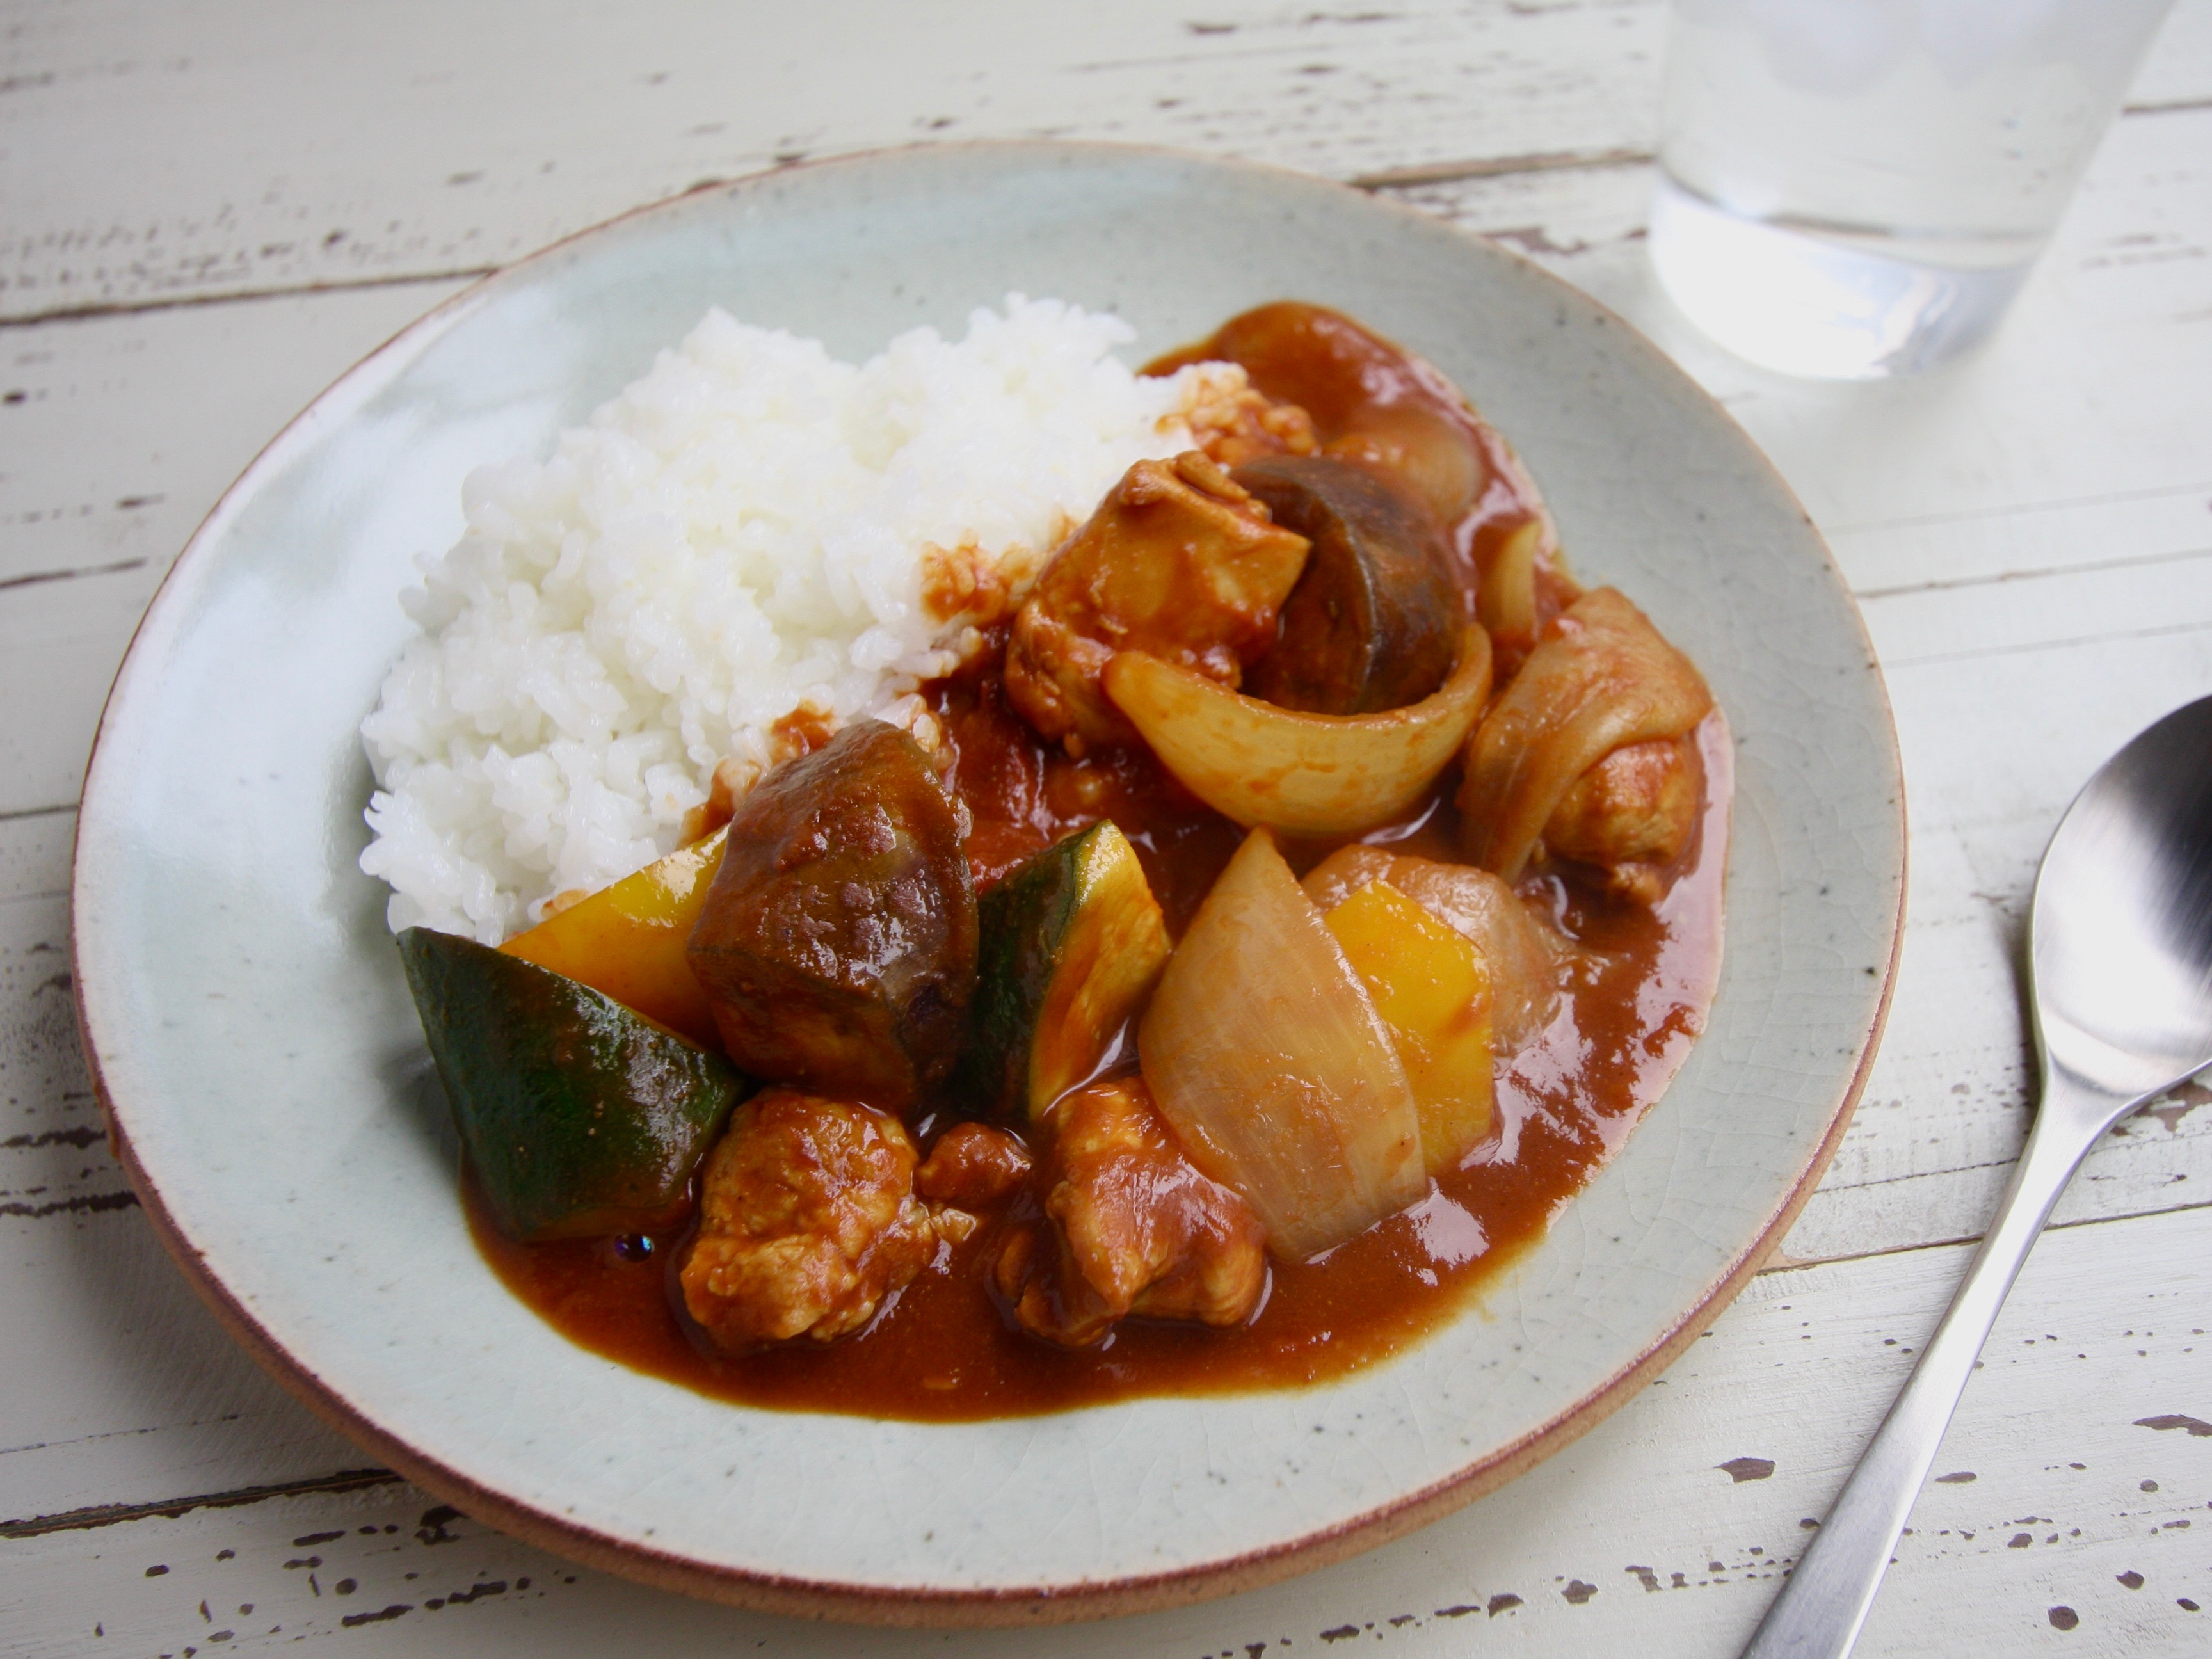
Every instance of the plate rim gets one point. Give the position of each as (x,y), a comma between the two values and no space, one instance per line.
(921,1607)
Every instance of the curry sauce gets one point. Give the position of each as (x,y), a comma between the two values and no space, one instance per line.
(944,1351)
(947,1346)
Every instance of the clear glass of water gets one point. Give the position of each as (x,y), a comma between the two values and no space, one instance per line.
(1857,188)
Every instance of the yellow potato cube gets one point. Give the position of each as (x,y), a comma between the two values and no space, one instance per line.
(627,940)
(1432,988)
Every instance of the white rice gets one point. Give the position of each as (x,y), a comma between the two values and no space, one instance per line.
(740,532)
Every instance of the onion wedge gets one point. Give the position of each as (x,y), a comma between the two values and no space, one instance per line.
(1308,775)
(1265,1054)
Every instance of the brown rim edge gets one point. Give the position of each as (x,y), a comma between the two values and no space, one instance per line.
(920,1608)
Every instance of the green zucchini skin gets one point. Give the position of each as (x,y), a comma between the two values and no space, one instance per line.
(1070,943)
(579,1117)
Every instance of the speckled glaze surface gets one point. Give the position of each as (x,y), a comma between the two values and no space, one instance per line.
(250,1031)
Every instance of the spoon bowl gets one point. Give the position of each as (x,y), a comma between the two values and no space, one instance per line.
(2120,964)
(2122,923)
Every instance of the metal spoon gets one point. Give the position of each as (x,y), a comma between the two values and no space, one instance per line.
(2121,966)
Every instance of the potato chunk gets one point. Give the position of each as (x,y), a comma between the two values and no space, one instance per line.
(1178,562)
(1134,1228)
(1432,988)
(808,1220)
(1527,960)
(837,945)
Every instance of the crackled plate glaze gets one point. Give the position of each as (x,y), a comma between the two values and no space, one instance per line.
(264,1073)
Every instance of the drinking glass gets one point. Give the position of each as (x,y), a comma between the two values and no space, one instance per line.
(1857,188)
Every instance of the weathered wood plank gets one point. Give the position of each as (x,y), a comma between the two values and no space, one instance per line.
(1664,1532)
(121,1387)
(60,645)
(246,149)
(1994,747)
(2094,385)
(116,437)
(34,856)
(2034,612)
(128,429)
(157,153)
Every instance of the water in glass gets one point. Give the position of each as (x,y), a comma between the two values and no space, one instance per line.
(1856,188)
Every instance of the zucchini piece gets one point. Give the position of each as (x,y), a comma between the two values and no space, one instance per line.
(1073,940)
(579,1116)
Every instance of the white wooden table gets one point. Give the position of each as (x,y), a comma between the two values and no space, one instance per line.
(208,212)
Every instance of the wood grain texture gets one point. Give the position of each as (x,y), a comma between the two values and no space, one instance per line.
(2030,536)
(248,149)
(155,153)
(122,1388)
(1662,1533)
(128,429)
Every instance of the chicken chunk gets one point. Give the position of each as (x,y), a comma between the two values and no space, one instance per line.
(1234,422)
(1632,813)
(1180,562)
(808,1220)
(1133,1228)
(1602,678)
(972,1165)
(1370,400)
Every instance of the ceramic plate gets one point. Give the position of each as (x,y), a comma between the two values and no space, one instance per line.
(262,1067)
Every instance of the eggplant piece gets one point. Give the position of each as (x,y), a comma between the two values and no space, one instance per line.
(837,945)
(1073,940)
(579,1117)
(1179,561)
(1130,1226)
(1370,624)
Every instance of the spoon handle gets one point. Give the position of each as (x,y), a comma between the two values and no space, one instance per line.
(1821,1607)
